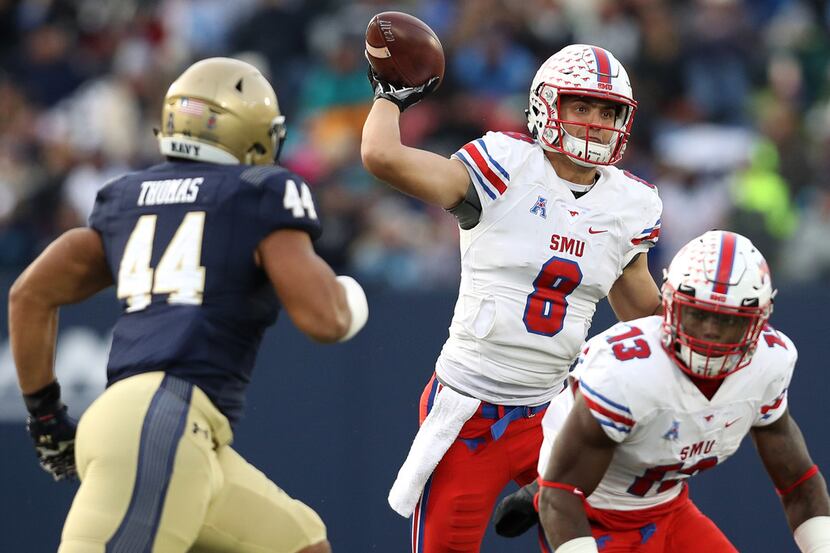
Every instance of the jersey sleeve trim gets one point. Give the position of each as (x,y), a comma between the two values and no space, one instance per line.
(605,411)
(771,411)
(490,175)
(648,235)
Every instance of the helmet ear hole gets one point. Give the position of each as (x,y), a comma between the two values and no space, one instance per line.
(239,85)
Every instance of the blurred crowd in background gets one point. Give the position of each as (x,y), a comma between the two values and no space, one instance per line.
(733,124)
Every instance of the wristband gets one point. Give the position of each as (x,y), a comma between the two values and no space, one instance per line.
(45,401)
(358,306)
(812,535)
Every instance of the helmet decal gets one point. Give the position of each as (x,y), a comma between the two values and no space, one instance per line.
(726,262)
(603,65)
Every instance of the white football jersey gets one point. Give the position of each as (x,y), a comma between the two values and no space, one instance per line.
(534,268)
(666,428)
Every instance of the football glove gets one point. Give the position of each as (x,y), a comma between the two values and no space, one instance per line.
(52,431)
(515,514)
(403,97)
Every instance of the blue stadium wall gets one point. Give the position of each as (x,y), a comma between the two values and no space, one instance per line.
(331,425)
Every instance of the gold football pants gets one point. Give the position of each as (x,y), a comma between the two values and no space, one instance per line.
(158,476)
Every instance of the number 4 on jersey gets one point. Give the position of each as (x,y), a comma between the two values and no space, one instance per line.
(300,202)
(178,273)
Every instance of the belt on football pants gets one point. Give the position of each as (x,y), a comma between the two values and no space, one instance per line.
(505,414)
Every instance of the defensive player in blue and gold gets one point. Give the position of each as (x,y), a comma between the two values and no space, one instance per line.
(196,247)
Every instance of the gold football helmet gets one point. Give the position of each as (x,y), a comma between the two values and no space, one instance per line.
(222,110)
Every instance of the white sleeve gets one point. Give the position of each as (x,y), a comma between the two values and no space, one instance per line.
(602,394)
(490,160)
(774,401)
(646,229)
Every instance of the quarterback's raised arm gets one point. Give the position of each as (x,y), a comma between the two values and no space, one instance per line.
(71,269)
(325,307)
(581,455)
(427,176)
(801,486)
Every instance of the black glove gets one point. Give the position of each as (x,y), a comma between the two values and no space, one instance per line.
(515,514)
(402,97)
(52,431)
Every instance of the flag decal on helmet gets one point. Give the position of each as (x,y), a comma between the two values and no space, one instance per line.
(191,106)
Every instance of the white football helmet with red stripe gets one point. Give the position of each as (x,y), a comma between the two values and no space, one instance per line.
(718,285)
(580,70)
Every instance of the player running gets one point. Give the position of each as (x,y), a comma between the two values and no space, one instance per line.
(196,247)
(548,228)
(657,400)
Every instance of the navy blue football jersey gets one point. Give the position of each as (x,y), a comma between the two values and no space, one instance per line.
(180,239)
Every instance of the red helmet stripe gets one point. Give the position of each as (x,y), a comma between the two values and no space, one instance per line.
(603,65)
(727,259)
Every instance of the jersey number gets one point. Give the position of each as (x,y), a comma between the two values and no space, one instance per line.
(643,484)
(626,350)
(178,273)
(300,203)
(547,304)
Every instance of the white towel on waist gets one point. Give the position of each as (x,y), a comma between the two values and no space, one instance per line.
(450,410)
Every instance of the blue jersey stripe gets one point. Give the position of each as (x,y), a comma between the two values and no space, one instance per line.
(603,398)
(493,161)
(160,434)
(603,422)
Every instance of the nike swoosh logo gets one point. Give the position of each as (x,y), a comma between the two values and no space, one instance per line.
(730,423)
(592,231)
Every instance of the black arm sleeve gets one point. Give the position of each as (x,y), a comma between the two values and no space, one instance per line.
(468,211)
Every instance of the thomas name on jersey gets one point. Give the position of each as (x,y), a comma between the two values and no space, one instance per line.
(169,191)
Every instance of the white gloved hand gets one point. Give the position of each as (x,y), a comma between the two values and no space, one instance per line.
(359,307)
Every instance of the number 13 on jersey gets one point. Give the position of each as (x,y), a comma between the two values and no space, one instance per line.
(179,271)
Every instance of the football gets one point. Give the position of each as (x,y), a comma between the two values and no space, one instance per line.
(403,50)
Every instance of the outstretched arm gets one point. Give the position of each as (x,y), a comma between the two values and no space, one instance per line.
(71,269)
(581,455)
(635,294)
(802,488)
(424,175)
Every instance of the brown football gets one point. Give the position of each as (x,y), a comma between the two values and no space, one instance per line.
(403,50)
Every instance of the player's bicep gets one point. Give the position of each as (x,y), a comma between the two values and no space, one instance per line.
(70,269)
(582,450)
(635,294)
(782,449)
(305,284)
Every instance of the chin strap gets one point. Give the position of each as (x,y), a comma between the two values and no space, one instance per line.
(558,485)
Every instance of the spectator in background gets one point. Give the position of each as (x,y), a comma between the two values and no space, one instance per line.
(761,66)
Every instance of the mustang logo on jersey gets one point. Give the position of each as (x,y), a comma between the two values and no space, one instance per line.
(540,207)
(169,191)
(564,244)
